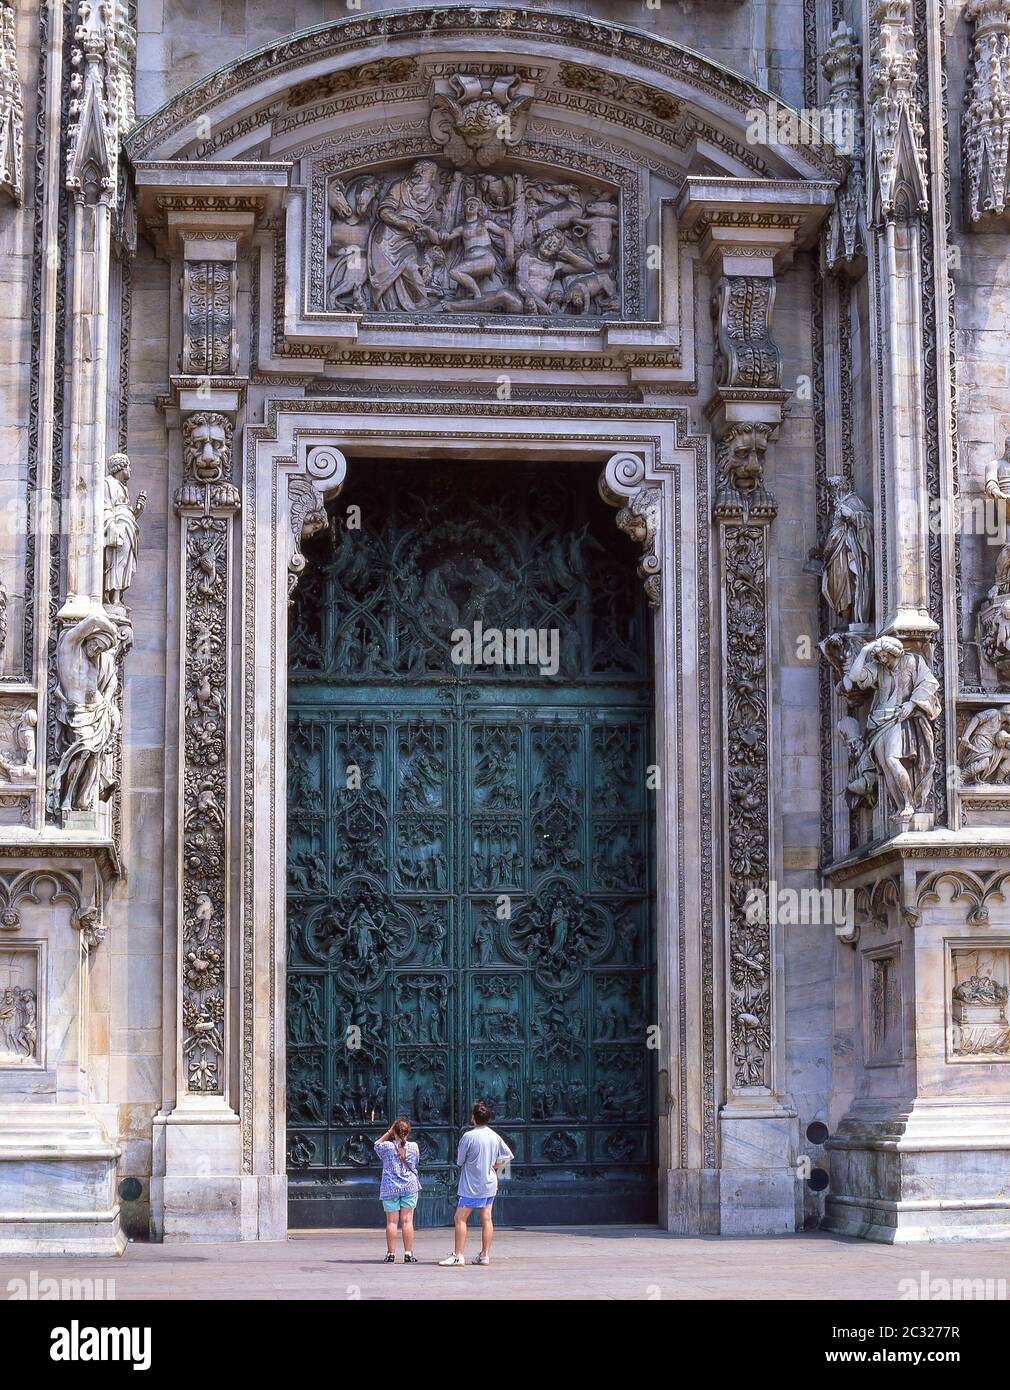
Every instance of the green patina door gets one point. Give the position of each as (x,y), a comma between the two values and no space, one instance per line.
(470,852)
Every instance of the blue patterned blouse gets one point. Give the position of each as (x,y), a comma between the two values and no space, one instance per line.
(399,1175)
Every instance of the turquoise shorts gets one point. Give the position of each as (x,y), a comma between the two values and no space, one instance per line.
(407,1203)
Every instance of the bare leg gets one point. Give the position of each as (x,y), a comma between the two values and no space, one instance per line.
(486,1230)
(407,1229)
(459,1221)
(391,1220)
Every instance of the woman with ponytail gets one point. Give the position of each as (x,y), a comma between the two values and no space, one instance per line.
(400,1187)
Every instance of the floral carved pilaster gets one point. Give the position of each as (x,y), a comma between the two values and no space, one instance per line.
(210,298)
(987,113)
(623,485)
(206,503)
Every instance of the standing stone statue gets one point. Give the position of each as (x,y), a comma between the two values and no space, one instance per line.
(899,726)
(122,534)
(847,580)
(86,655)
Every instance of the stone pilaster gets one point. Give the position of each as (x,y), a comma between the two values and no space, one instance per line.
(745,242)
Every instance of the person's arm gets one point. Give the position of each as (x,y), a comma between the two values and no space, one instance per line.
(461,1152)
(412,1156)
(505,1155)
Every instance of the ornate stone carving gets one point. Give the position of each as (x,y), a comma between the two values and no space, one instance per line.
(88,921)
(122,534)
(206,502)
(87,655)
(308,517)
(479,119)
(984,747)
(740,490)
(18,725)
(19,993)
(847,556)
(102,104)
(429,240)
(210,296)
(993,622)
(640,516)
(749,804)
(978,1002)
(898,746)
(12,115)
(896,142)
(845,237)
(986,127)
(746,354)
(207,481)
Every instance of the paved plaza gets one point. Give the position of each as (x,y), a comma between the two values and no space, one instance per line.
(607,1262)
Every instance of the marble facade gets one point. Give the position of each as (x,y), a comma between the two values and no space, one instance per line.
(250,250)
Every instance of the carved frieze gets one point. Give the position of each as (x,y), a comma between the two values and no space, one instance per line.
(206,503)
(12,115)
(429,239)
(986,129)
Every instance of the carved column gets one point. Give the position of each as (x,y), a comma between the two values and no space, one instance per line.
(744,245)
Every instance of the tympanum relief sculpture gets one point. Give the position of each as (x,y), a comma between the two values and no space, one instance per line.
(429,239)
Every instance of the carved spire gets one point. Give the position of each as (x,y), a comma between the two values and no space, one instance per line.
(12,114)
(987,112)
(896,144)
(102,103)
(846,229)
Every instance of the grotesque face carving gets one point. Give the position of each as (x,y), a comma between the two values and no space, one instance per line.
(208,446)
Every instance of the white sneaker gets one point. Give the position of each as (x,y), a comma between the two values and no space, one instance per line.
(453,1260)
(482,1259)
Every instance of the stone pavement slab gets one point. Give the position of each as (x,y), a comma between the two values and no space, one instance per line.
(596,1263)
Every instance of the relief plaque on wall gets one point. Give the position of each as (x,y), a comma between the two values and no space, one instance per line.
(426,238)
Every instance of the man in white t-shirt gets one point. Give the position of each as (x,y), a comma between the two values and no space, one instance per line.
(482,1154)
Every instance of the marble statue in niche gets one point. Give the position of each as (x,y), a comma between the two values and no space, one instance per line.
(993,623)
(979,1003)
(984,747)
(122,532)
(898,741)
(433,240)
(86,656)
(847,556)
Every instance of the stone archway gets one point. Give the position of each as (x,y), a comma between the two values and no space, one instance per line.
(322,369)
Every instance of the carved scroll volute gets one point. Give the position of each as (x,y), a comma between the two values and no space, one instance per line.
(623,484)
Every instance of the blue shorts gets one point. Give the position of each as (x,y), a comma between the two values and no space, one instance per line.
(407,1203)
(474,1201)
